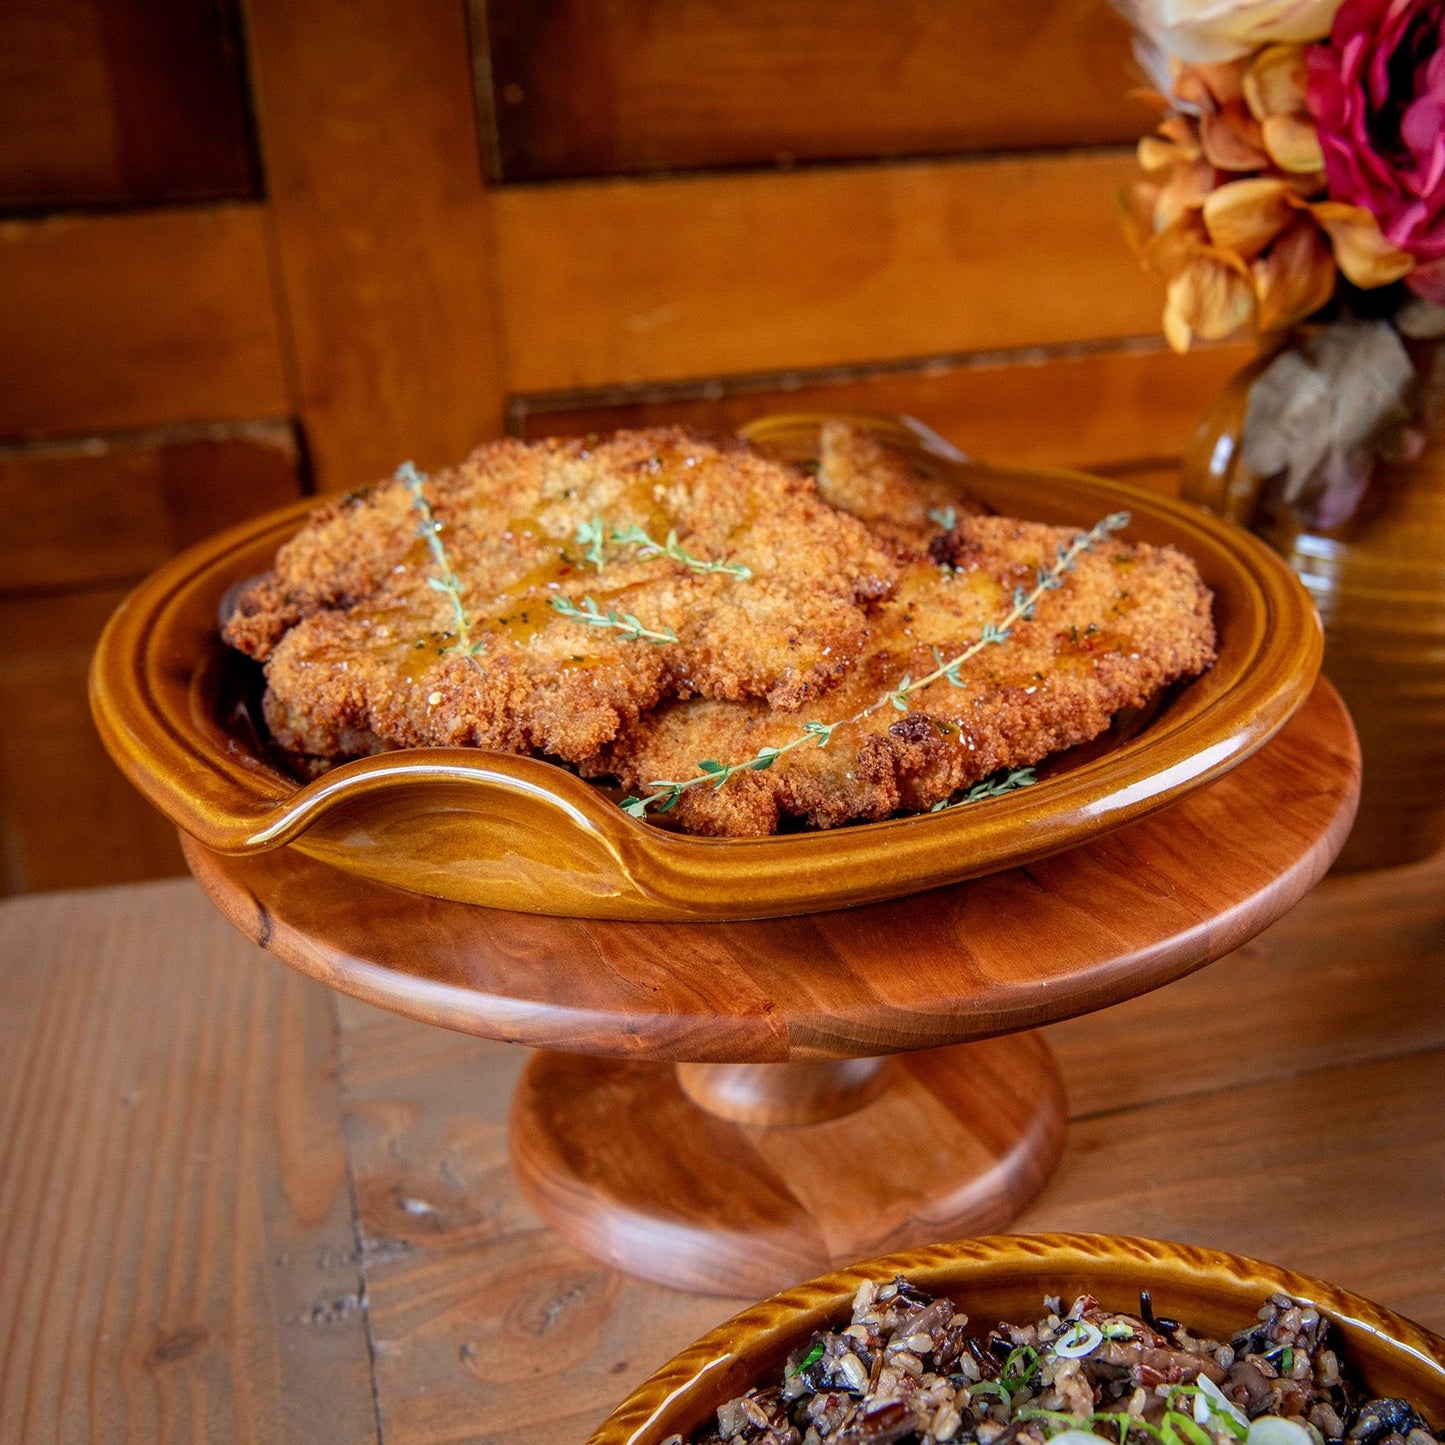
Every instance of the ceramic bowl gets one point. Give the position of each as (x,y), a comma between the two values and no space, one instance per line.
(1006,1278)
(519,833)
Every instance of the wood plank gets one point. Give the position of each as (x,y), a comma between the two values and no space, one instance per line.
(613,282)
(581,89)
(1321,987)
(488,1327)
(1336,1173)
(179,1261)
(380,222)
(56,118)
(111,509)
(68,818)
(1102,411)
(126,101)
(129,321)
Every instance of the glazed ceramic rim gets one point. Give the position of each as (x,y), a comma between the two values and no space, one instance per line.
(144,689)
(650,1413)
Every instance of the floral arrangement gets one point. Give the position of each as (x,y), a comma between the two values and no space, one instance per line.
(1298,174)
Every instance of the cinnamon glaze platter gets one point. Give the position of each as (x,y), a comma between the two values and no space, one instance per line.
(175,708)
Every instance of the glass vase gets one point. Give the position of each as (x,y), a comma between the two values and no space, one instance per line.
(1378,580)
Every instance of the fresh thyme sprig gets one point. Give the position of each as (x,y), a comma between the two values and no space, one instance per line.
(648,546)
(993,786)
(994,634)
(446,580)
(666,792)
(594,535)
(631,629)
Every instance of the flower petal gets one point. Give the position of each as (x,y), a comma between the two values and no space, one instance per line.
(1184,192)
(1295,278)
(1361,250)
(1211,298)
(1137,203)
(1428,280)
(1274,83)
(1293,143)
(1169,252)
(1245,216)
(1232,141)
(1157,154)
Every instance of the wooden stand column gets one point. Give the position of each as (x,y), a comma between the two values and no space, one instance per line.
(741,1179)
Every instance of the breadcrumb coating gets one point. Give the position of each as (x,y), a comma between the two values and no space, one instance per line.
(882,485)
(1128,620)
(358,643)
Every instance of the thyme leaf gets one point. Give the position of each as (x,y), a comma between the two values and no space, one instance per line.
(593,616)
(446,580)
(649,546)
(593,536)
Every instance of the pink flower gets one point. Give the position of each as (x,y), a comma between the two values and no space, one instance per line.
(1377,92)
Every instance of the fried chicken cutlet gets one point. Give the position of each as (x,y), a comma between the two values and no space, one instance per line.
(861,474)
(1128,619)
(758,586)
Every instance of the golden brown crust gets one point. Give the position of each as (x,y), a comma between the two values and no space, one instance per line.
(883,486)
(361,652)
(1129,620)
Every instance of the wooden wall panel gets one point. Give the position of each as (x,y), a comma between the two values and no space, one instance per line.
(374,175)
(109,510)
(98,514)
(1102,411)
(122,101)
(581,88)
(146,319)
(607,282)
(68,818)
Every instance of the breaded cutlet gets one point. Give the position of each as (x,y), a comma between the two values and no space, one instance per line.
(862,474)
(1128,620)
(361,649)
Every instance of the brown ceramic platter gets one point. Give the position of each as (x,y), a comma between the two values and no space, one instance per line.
(1006,1278)
(522,834)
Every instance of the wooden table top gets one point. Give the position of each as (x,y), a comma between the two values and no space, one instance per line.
(236,1205)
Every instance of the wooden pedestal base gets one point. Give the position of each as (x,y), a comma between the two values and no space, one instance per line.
(619,1159)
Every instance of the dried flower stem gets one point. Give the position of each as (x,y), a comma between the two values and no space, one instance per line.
(667,791)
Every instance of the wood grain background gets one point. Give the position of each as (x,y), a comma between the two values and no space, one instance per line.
(251,249)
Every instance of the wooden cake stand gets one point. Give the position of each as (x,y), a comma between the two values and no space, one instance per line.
(736,1106)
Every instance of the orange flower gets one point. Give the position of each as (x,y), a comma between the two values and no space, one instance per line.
(1233,215)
